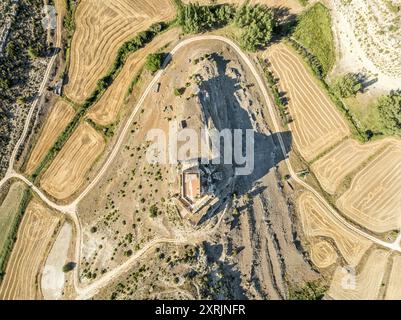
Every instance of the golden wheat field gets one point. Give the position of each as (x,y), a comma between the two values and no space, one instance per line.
(106,110)
(33,240)
(68,170)
(101,28)
(317,221)
(332,168)
(362,285)
(374,198)
(317,124)
(323,254)
(60,115)
(393,291)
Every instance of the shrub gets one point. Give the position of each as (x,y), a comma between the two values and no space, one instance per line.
(154,62)
(390,112)
(347,85)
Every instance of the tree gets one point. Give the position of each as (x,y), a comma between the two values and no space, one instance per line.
(153,211)
(390,112)
(347,85)
(257,23)
(154,61)
(68,267)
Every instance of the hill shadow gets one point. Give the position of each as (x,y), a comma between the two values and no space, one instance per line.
(225,100)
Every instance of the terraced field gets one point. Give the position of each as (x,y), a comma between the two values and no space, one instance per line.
(101,28)
(323,254)
(34,237)
(364,285)
(374,198)
(60,115)
(67,171)
(106,110)
(343,160)
(317,124)
(317,221)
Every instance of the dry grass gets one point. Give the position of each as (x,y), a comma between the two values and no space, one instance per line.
(35,233)
(67,172)
(394,284)
(343,160)
(317,123)
(367,282)
(106,110)
(101,28)
(60,115)
(317,221)
(374,198)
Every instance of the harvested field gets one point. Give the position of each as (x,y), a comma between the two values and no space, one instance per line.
(343,160)
(67,172)
(317,221)
(101,28)
(374,198)
(60,115)
(317,124)
(364,285)
(323,254)
(9,212)
(106,110)
(394,284)
(34,237)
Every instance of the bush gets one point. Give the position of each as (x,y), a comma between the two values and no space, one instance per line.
(310,291)
(347,85)
(69,267)
(257,23)
(153,211)
(390,112)
(154,62)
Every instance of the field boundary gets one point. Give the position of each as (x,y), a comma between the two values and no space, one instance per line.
(138,42)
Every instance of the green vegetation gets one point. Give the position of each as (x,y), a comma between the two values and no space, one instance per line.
(347,85)
(154,61)
(194,18)
(127,48)
(178,92)
(153,211)
(68,267)
(257,23)
(9,235)
(313,32)
(273,85)
(304,2)
(310,291)
(389,107)
(108,130)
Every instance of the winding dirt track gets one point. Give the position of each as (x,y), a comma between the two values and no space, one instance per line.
(71,208)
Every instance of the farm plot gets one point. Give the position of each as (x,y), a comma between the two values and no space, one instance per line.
(394,284)
(317,221)
(101,28)
(343,160)
(34,237)
(9,213)
(60,115)
(317,124)
(365,285)
(323,254)
(67,172)
(106,110)
(374,198)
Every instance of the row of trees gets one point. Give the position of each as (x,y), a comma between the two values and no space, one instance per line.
(256,22)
